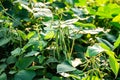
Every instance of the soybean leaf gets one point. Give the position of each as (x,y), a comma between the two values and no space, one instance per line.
(35,67)
(24,75)
(4,41)
(11,59)
(117,42)
(23,63)
(49,35)
(113,62)
(65,67)
(105,42)
(3,76)
(22,34)
(93,50)
(16,52)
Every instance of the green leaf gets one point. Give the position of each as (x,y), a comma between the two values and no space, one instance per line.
(24,75)
(49,35)
(2,67)
(113,62)
(30,34)
(11,59)
(116,19)
(35,67)
(93,50)
(4,41)
(16,52)
(3,76)
(100,2)
(65,67)
(86,25)
(22,34)
(80,3)
(32,53)
(117,42)
(105,42)
(104,46)
(41,58)
(23,63)
(91,78)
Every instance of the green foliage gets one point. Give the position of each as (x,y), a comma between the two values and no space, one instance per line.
(59,39)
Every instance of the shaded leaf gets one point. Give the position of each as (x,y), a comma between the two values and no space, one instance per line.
(4,41)
(3,76)
(16,52)
(65,67)
(23,63)
(11,59)
(32,53)
(24,75)
(93,50)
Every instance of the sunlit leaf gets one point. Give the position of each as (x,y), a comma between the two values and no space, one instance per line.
(22,34)
(116,18)
(100,2)
(117,42)
(42,12)
(49,35)
(113,62)
(80,3)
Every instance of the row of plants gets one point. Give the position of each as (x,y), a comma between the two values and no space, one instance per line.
(59,40)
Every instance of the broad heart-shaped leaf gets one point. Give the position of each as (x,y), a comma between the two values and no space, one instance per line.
(24,62)
(3,76)
(16,52)
(93,50)
(24,75)
(113,62)
(4,41)
(65,67)
(117,42)
(80,3)
(11,59)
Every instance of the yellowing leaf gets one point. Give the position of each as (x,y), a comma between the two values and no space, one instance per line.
(117,42)
(116,19)
(49,35)
(113,62)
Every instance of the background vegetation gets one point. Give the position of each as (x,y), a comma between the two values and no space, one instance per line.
(59,39)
